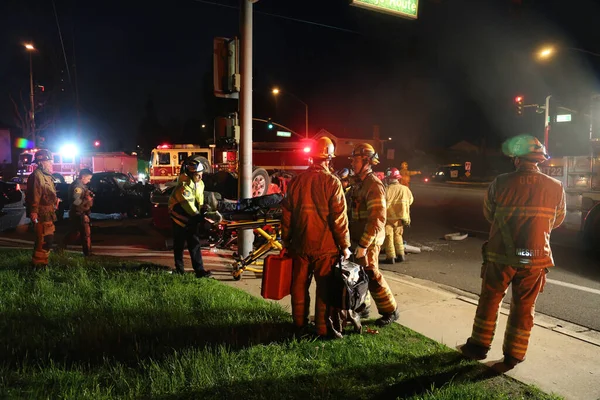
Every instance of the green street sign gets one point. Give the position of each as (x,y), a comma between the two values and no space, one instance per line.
(284,134)
(563,118)
(402,8)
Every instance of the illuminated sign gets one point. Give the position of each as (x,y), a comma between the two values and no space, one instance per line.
(402,8)
(284,134)
(563,118)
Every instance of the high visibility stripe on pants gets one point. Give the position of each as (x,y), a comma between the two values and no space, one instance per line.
(44,237)
(394,242)
(527,283)
(303,269)
(378,287)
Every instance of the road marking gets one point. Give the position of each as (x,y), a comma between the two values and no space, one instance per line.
(573,286)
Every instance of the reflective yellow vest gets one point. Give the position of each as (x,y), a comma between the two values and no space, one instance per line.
(186,200)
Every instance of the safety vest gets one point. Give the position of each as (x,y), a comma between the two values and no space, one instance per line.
(398,199)
(367,224)
(523,208)
(315,218)
(41,195)
(186,200)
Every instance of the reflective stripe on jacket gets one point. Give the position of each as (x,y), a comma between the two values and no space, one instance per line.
(523,208)
(41,195)
(315,219)
(398,199)
(367,225)
(186,199)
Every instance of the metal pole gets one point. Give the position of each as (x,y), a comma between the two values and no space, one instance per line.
(245,237)
(32,105)
(547,122)
(306,105)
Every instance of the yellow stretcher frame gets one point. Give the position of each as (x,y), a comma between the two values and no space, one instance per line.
(251,262)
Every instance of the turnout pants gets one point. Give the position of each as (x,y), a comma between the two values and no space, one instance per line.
(378,287)
(394,243)
(44,238)
(527,283)
(181,236)
(304,267)
(80,228)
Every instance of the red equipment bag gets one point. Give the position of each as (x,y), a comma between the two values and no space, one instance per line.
(277,277)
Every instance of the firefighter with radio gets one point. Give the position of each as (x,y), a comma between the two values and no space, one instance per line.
(406,174)
(187,212)
(81,200)
(314,231)
(42,202)
(523,208)
(398,199)
(367,229)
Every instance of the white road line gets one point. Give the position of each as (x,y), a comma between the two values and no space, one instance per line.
(573,286)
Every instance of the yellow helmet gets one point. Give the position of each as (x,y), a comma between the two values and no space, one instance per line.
(526,147)
(367,151)
(324,148)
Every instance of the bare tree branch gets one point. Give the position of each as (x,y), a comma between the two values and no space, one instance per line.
(16,110)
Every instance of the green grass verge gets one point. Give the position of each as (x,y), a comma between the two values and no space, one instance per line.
(106,328)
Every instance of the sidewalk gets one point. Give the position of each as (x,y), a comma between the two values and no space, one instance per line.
(559,360)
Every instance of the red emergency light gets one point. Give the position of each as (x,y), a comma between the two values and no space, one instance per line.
(307,149)
(164,146)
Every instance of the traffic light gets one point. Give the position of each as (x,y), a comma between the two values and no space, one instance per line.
(270,124)
(519,105)
(96,143)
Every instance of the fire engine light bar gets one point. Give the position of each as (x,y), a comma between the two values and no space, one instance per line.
(307,149)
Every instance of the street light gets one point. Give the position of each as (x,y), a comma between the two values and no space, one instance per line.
(546,53)
(30,48)
(276,91)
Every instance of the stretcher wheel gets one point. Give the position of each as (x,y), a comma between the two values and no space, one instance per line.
(237,272)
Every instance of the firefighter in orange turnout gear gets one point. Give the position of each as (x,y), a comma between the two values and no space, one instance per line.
(523,207)
(314,232)
(41,206)
(367,228)
(398,200)
(406,174)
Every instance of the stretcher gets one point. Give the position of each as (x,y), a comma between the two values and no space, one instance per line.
(266,225)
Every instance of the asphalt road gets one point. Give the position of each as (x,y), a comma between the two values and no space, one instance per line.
(573,289)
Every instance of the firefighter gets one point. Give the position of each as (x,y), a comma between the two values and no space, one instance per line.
(367,229)
(186,212)
(344,177)
(314,230)
(398,200)
(523,207)
(42,203)
(406,174)
(81,200)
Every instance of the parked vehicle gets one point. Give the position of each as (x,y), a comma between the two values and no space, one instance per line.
(448,172)
(12,205)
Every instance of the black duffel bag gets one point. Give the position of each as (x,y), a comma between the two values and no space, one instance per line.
(348,286)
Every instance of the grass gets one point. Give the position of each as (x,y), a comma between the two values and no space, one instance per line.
(107,328)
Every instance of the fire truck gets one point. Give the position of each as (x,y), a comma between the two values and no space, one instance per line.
(572,138)
(274,165)
(64,163)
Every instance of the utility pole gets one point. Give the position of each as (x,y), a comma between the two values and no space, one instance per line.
(30,48)
(547,122)
(246,236)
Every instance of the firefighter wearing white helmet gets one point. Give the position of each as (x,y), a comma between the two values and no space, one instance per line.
(42,203)
(186,212)
(523,207)
(314,230)
(367,228)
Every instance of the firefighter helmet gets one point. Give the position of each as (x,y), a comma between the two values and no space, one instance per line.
(367,151)
(193,166)
(380,175)
(324,149)
(42,155)
(404,165)
(526,147)
(394,173)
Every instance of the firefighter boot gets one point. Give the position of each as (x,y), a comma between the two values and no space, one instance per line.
(388,318)
(401,257)
(473,351)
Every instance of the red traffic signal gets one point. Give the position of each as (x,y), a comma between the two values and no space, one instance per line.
(519,105)
(97,143)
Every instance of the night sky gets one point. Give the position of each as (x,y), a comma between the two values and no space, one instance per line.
(450,75)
